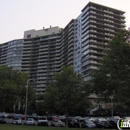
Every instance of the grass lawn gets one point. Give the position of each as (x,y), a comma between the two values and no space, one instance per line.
(22,127)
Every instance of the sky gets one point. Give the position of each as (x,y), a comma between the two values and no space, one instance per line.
(17,16)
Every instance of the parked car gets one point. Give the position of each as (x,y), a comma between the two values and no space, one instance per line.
(62,118)
(42,121)
(87,124)
(2,120)
(3,114)
(77,117)
(73,123)
(30,121)
(36,117)
(99,119)
(16,116)
(104,124)
(23,117)
(17,121)
(113,120)
(126,118)
(10,116)
(56,122)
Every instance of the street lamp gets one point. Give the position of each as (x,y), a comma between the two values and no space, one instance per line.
(111,97)
(26,99)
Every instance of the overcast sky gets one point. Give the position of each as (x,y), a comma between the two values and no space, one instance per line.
(16,16)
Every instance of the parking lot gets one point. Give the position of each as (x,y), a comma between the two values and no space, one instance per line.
(9,121)
(60,121)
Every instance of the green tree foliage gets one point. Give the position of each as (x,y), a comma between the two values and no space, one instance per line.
(113,78)
(39,105)
(67,94)
(12,87)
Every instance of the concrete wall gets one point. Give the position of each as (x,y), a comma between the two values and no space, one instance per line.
(43,32)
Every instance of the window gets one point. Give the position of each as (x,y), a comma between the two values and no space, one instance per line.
(29,36)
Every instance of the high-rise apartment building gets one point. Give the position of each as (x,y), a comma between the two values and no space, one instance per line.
(98,25)
(67,44)
(42,53)
(41,56)
(11,53)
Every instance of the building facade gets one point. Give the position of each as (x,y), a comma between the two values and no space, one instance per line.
(42,53)
(99,25)
(41,56)
(11,53)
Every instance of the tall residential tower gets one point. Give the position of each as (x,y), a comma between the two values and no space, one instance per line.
(42,53)
(98,25)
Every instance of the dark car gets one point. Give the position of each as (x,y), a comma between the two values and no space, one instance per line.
(73,123)
(2,120)
(104,124)
(113,121)
(10,116)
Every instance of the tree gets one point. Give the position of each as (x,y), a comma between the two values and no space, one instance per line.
(67,94)
(113,77)
(12,87)
(40,108)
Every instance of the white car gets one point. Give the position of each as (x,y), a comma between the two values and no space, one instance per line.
(30,121)
(17,121)
(42,121)
(57,123)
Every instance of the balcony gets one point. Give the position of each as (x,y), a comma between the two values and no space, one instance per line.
(28,61)
(95,57)
(93,67)
(96,47)
(97,52)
